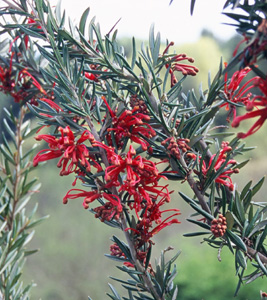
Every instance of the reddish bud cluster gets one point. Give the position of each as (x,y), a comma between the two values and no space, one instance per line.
(175,146)
(139,105)
(218,227)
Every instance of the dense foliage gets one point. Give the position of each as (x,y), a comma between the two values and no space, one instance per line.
(123,127)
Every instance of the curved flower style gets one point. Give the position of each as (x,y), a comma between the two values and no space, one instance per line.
(110,210)
(175,65)
(224,176)
(234,93)
(255,103)
(140,177)
(73,151)
(130,124)
(144,230)
(18,85)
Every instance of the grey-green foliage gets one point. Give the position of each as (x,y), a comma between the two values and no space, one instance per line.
(17,186)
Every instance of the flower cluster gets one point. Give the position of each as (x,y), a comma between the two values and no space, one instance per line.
(19,86)
(175,146)
(129,125)
(175,65)
(141,177)
(151,214)
(233,93)
(218,226)
(256,107)
(219,164)
(256,45)
(72,151)
(108,211)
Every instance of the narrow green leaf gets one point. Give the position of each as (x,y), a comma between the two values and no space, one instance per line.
(245,190)
(258,227)
(230,221)
(241,259)
(124,248)
(261,265)
(37,222)
(196,207)
(133,53)
(116,294)
(236,240)
(201,224)
(240,209)
(155,53)
(83,20)
(262,238)
(257,186)
(191,234)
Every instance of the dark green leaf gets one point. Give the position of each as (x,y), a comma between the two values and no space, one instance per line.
(236,240)
(83,20)
(192,6)
(201,224)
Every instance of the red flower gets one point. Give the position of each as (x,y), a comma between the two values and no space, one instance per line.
(255,102)
(130,124)
(18,85)
(89,197)
(224,177)
(144,230)
(91,76)
(234,93)
(256,45)
(73,151)
(175,64)
(140,175)
(110,210)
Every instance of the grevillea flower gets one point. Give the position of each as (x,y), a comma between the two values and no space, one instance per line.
(18,84)
(256,107)
(234,93)
(145,228)
(89,196)
(175,65)
(130,124)
(256,45)
(140,175)
(72,151)
(110,210)
(216,162)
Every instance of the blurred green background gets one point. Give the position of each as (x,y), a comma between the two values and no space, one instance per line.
(71,262)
